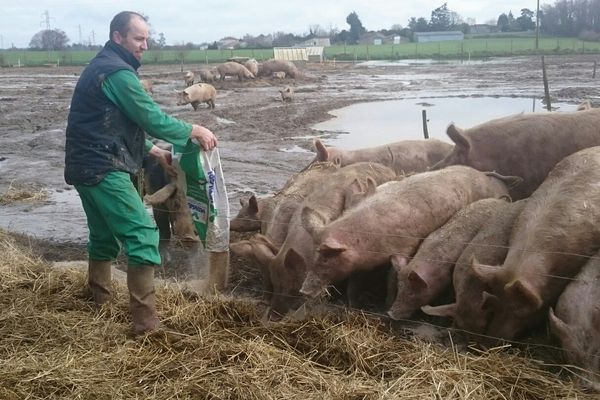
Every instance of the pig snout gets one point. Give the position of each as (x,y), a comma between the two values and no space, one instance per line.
(312,285)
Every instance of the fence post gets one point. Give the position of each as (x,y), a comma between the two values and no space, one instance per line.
(425,132)
(546,90)
(594,73)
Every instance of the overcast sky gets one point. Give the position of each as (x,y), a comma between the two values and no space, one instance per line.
(199,21)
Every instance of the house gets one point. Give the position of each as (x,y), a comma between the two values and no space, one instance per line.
(440,36)
(483,28)
(318,42)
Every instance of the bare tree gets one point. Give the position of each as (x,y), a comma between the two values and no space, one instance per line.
(49,39)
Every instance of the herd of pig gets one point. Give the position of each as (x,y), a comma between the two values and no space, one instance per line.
(205,92)
(498,232)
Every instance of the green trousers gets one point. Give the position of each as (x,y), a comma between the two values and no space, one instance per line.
(116,217)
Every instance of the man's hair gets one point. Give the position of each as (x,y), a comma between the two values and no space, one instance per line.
(120,22)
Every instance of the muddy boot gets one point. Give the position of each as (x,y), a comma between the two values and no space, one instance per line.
(218,270)
(140,281)
(99,276)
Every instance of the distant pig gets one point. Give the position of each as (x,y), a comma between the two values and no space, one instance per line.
(208,75)
(287,94)
(188,77)
(525,145)
(252,66)
(404,157)
(198,93)
(429,273)
(231,68)
(393,221)
(553,236)
(267,68)
(489,246)
(576,322)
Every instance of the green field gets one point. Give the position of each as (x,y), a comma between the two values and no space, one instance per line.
(469,48)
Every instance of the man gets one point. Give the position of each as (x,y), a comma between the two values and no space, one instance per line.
(105,143)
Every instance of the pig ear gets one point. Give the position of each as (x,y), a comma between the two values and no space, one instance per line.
(331,247)
(294,261)
(447,310)
(523,292)
(558,327)
(321,150)
(485,273)
(457,137)
(508,180)
(312,220)
(161,195)
(399,262)
(371,187)
(253,204)
(243,203)
(417,280)
(489,301)
(352,194)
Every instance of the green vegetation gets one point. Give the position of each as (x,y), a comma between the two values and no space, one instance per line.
(473,48)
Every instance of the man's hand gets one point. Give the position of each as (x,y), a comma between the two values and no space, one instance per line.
(204,137)
(164,158)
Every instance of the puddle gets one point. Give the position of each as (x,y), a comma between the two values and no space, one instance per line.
(295,149)
(376,123)
(409,62)
(225,121)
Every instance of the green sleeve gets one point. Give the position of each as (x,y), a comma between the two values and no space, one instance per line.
(148,145)
(124,89)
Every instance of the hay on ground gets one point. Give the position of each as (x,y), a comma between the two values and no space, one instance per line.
(55,344)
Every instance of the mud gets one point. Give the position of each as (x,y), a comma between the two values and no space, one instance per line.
(262,140)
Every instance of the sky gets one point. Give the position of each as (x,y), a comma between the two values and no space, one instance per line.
(199,21)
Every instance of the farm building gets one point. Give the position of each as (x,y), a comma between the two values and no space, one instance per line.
(483,28)
(317,41)
(290,53)
(422,37)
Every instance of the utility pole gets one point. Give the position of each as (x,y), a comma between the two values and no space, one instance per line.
(93,38)
(46,19)
(537,26)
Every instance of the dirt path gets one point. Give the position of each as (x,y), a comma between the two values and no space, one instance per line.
(256,130)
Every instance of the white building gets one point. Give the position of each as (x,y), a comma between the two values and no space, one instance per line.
(442,36)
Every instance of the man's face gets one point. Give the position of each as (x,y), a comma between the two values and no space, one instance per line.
(135,40)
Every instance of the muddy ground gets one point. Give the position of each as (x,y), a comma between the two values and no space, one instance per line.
(256,130)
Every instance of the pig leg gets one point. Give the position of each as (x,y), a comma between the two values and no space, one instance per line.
(195,104)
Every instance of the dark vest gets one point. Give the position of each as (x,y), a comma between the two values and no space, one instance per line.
(100,138)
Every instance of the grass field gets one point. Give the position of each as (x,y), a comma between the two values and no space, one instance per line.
(468,48)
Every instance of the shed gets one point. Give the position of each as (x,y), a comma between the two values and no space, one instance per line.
(315,53)
(290,53)
(441,36)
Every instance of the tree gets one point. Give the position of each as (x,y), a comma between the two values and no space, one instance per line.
(440,19)
(49,39)
(503,24)
(356,27)
(161,40)
(418,25)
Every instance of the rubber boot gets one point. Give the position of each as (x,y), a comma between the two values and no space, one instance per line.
(99,277)
(140,281)
(218,270)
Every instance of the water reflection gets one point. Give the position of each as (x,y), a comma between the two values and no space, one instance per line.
(375,123)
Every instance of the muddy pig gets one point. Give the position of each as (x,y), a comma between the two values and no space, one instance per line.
(231,68)
(252,66)
(288,266)
(188,78)
(576,322)
(267,68)
(489,246)
(394,221)
(287,94)
(553,236)
(404,157)
(208,75)
(198,93)
(525,145)
(428,274)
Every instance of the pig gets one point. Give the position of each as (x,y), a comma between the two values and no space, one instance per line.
(188,78)
(198,93)
(558,228)
(248,218)
(575,321)
(525,145)
(429,273)
(288,265)
(208,75)
(393,221)
(404,157)
(266,68)
(231,68)
(490,246)
(252,66)
(278,75)
(287,94)
(147,85)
